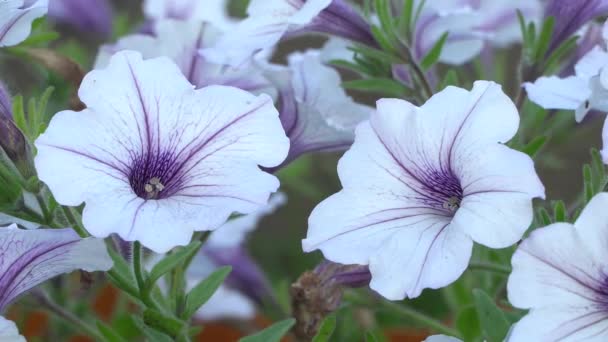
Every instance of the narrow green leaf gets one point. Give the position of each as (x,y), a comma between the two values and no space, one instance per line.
(560,212)
(433,55)
(494,323)
(170,262)
(274,333)
(326,329)
(467,322)
(357,68)
(559,53)
(534,146)
(371,337)
(523,28)
(382,86)
(450,79)
(407,15)
(544,39)
(201,293)
(588,183)
(382,39)
(19,114)
(109,333)
(150,333)
(383,10)
(162,322)
(543,217)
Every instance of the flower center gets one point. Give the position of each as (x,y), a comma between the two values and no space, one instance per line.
(441,190)
(155,175)
(452,204)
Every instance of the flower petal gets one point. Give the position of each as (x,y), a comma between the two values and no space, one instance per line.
(9,331)
(213,11)
(560,93)
(441,338)
(592,226)
(31,257)
(561,324)
(553,267)
(16,22)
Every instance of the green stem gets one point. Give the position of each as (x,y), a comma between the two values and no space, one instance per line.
(421,318)
(76,223)
(45,209)
(137,265)
(69,317)
(484,266)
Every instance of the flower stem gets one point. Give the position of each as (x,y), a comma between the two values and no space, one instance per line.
(137,265)
(44,207)
(69,317)
(484,266)
(76,223)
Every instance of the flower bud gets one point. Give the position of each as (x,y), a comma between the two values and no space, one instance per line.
(12,140)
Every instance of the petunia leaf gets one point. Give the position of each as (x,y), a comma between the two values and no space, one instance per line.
(201,293)
(170,262)
(326,329)
(274,333)
(494,323)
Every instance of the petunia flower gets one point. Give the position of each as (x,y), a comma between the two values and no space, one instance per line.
(421,184)
(582,92)
(315,118)
(271,20)
(570,16)
(90,16)
(470,24)
(181,41)
(559,273)
(154,159)
(441,338)
(189,10)
(31,257)
(16,19)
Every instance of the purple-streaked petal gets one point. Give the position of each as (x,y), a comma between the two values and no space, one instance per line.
(91,16)
(561,324)
(605,142)
(570,16)
(31,257)
(9,331)
(315,118)
(16,20)
(6,105)
(157,154)
(181,41)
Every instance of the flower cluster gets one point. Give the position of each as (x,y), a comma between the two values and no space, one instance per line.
(168,146)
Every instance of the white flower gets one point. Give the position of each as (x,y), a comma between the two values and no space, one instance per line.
(560,273)
(215,11)
(421,184)
(441,338)
(31,257)
(315,111)
(271,20)
(154,159)
(470,24)
(181,41)
(16,19)
(9,331)
(586,90)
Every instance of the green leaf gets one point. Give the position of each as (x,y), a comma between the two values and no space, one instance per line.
(382,86)
(371,337)
(109,333)
(588,183)
(433,55)
(358,68)
(468,324)
(543,217)
(162,322)
(201,293)
(494,323)
(450,79)
(544,39)
(150,333)
(274,333)
(560,212)
(170,262)
(326,329)
(405,20)
(383,10)
(559,53)
(534,146)
(382,39)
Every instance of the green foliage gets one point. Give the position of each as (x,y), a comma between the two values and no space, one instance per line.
(201,293)
(494,323)
(170,262)
(274,333)
(326,329)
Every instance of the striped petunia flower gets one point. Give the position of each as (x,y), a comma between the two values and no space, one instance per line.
(16,17)
(154,159)
(421,184)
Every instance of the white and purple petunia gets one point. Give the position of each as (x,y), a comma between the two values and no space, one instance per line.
(181,41)
(271,20)
(421,184)
(154,159)
(470,24)
(246,285)
(31,257)
(189,10)
(441,338)
(16,17)
(315,111)
(582,92)
(560,273)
